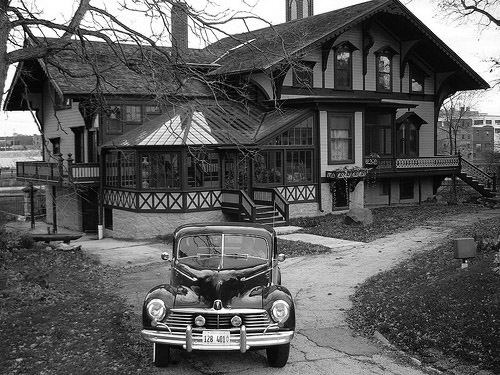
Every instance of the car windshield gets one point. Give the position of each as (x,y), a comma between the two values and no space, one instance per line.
(222,251)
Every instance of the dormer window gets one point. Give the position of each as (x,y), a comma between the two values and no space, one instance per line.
(385,68)
(62,102)
(303,74)
(343,65)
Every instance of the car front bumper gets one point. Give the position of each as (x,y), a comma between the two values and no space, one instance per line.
(241,340)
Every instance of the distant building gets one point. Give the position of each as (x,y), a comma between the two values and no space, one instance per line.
(18,142)
(477,135)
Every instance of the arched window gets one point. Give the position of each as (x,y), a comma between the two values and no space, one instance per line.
(385,68)
(292,10)
(343,65)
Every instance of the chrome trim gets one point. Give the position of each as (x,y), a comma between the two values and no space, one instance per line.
(184,273)
(241,341)
(257,274)
(224,310)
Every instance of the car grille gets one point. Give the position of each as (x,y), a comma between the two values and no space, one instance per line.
(252,321)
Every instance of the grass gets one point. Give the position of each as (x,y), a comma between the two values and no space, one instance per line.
(386,220)
(59,315)
(428,305)
(61,312)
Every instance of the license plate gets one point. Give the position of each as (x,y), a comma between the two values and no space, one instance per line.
(216,338)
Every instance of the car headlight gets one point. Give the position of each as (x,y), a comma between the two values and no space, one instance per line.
(280,311)
(156,309)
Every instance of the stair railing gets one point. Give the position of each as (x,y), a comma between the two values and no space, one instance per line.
(272,197)
(482,177)
(248,206)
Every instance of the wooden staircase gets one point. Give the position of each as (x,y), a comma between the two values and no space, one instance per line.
(269,215)
(480,181)
(268,207)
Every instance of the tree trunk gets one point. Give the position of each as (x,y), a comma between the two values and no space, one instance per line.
(453,191)
(4,35)
(450,136)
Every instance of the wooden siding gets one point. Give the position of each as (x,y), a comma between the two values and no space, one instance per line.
(382,39)
(426,134)
(360,82)
(57,124)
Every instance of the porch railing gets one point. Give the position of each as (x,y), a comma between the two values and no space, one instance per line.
(58,172)
(39,171)
(424,163)
(84,172)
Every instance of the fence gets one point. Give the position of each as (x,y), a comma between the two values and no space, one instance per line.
(20,204)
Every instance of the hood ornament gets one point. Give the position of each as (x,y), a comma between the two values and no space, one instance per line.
(217,304)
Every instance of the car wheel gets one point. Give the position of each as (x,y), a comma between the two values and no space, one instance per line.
(161,355)
(277,356)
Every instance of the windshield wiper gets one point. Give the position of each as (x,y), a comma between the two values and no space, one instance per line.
(245,256)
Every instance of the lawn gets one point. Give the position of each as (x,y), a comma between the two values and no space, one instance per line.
(60,310)
(429,305)
(60,315)
(386,220)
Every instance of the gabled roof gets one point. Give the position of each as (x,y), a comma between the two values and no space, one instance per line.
(124,69)
(258,50)
(266,48)
(205,122)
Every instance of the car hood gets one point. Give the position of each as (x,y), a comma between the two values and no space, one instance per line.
(240,288)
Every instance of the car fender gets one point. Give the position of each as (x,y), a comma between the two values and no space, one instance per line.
(279,292)
(166,293)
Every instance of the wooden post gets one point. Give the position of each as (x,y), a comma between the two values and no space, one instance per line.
(69,160)
(32,208)
(54,209)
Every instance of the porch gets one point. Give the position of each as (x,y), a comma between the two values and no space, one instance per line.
(450,165)
(58,172)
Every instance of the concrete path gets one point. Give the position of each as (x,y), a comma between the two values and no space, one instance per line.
(321,285)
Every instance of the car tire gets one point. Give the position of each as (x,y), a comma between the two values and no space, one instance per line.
(161,355)
(277,356)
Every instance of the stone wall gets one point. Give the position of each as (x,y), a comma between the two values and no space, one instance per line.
(128,224)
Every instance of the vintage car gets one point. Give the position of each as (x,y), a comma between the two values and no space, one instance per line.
(224,293)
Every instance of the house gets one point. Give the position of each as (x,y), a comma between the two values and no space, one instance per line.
(319,114)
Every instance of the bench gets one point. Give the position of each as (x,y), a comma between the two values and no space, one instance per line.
(65,237)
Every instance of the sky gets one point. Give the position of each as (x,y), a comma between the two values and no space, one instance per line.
(471,44)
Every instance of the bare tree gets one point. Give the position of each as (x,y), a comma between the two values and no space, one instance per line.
(483,13)
(24,26)
(454,113)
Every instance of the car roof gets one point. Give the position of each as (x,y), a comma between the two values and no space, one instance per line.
(225,227)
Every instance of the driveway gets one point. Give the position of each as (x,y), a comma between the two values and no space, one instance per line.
(321,286)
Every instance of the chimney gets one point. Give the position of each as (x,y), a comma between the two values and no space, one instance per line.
(297,9)
(179,34)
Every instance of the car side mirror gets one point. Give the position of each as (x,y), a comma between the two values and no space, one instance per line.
(281,257)
(165,256)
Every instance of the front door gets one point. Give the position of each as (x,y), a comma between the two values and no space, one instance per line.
(235,172)
(90,217)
